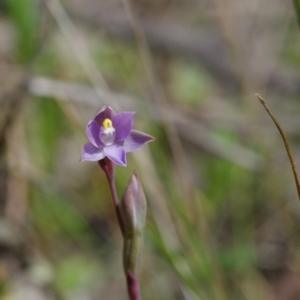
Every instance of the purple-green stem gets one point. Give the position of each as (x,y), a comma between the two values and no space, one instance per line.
(109,169)
(132,286)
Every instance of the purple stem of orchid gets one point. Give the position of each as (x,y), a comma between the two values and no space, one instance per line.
(109,169)
(133,286)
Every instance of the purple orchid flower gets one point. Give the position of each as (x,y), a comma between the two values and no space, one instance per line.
(110,135)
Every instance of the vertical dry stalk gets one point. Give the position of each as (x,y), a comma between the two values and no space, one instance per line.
(285,141)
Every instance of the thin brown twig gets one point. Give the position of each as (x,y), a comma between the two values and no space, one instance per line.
(285,141)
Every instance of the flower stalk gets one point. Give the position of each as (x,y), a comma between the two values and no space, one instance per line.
(109,169)
(131,217)
(132,286)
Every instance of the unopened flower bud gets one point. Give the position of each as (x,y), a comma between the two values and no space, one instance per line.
(133,211)
(133,207)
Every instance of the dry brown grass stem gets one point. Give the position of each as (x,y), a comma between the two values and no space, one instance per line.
(285,141)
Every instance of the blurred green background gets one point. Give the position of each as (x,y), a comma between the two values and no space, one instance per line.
(223,219)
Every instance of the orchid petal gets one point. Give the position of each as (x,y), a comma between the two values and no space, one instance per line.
(135,140)
(122,122)
(92,132)
(105,112)
(116,154)
(91,153)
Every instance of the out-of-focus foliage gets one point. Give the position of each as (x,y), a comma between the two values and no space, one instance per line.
(25,16)
(224,217)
